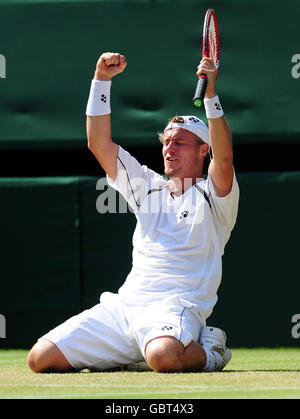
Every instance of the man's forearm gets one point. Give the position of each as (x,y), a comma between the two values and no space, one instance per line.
(221,141)
(98,130)
(100,143)
(98,121)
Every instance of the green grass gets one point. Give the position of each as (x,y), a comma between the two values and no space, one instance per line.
(252,373)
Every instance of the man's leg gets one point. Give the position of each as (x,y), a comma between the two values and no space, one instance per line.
(96,339)
(46,357)
(167,354)
(168,335)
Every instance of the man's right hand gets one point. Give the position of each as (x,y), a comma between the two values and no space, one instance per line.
(109,65)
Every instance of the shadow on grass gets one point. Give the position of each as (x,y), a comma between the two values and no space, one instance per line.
(143,367)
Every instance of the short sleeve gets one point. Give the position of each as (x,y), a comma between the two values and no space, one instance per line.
(134,181)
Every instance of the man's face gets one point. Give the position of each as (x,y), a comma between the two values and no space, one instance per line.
(183,156)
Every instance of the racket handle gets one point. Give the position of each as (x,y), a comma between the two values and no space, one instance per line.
(200,91)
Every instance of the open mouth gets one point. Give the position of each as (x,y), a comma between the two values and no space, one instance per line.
(171,159)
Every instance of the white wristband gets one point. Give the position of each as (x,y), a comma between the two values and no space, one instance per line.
(213,108)
(99,98)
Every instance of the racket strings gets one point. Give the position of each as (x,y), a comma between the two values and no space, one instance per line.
(213,44)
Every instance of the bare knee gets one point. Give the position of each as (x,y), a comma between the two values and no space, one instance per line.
(46,357)
(40,357)
(164,354)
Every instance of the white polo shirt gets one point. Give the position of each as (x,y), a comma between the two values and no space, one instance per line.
(178,243)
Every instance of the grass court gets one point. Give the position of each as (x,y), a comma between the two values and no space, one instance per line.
(257,373)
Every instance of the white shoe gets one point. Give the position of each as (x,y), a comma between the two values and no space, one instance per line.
(214,340)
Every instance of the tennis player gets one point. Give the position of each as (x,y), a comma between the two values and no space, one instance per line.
(183,224)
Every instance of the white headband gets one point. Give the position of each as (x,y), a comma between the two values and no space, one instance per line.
(193,124)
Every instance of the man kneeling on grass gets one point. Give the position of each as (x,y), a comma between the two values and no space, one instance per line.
(183,224)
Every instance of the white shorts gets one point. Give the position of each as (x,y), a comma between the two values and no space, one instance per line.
(111,334)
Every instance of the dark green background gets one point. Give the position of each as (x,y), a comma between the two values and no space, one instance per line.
(57,252)
(51,49)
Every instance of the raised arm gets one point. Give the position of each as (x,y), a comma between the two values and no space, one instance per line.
(221,166)
(98,122)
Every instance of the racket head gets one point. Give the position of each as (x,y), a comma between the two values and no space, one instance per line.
(211,42)
(211,49)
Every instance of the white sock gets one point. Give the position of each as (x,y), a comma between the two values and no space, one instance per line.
(213,360)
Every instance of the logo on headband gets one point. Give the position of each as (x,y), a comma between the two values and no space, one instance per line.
(194,119)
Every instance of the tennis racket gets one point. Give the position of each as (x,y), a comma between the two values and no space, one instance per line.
(211,49)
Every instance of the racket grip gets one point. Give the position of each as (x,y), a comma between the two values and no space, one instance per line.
(200,91)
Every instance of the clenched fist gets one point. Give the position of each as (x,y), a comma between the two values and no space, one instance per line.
(109,65)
